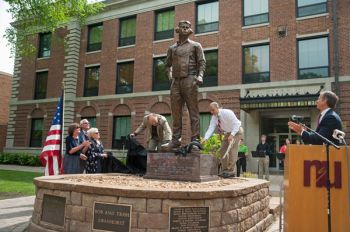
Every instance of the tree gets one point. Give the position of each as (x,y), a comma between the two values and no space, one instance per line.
(33,16)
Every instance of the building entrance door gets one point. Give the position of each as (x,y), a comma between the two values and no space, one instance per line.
(276,130)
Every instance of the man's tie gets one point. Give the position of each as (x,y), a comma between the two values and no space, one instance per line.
(219,126)
(318,120)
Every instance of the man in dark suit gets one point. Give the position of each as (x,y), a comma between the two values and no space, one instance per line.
(84,127)
(328,120)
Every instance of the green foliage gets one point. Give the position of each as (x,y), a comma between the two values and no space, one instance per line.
(249,175)
(20,159)
(213,145)
(33,16)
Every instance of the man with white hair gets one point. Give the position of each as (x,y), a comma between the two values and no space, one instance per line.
(83,136)
(158,130)
(227,124)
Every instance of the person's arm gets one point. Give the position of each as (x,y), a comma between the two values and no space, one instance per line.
(246,150)
(235,121)
(79,147)
(283,149)
(268,149)
(96,151)
(328,124)
(141,127)
(167,133)
(168,64)
(84,150)
(201,63)
(211,128)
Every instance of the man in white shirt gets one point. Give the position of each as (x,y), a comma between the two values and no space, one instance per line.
(227,124)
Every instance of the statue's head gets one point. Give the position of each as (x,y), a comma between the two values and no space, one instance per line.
(184,28)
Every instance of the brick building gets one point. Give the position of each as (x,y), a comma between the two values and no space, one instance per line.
(266,60)
(5,95)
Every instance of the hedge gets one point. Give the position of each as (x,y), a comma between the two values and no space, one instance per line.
(24,159)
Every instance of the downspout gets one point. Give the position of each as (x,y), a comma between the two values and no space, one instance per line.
(336,51)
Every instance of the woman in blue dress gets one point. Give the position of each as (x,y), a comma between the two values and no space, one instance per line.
(95,152)
(74,150)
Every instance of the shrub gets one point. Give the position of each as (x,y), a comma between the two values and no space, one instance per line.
(20,159)
(213,145)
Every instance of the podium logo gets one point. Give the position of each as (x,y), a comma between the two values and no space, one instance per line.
(321,173)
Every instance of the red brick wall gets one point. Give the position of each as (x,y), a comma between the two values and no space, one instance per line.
(283,62)
(344,101)
(5,95)
(55,65)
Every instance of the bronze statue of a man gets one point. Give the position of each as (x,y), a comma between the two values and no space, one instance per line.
(185,66)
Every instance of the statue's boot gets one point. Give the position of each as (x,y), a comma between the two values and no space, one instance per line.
(173,144)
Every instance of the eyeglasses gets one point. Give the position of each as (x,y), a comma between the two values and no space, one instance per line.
(96,132)
(86,123)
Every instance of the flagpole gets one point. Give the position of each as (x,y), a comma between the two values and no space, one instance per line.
(62,126)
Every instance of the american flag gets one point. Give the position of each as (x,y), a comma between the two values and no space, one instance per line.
(51,156)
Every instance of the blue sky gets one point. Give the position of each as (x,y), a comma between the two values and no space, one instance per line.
(6,62)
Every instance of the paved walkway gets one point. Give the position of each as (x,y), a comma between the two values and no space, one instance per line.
(21,168)
(15,213)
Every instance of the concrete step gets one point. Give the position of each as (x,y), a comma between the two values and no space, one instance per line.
(275,206)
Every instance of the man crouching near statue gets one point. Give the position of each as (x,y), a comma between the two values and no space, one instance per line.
(185,66)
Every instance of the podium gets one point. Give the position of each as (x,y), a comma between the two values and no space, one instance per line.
(305,194)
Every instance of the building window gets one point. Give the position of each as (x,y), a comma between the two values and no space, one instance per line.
(125,77)
(92,121)
(92,76)
(41,85)
(164,25)
(211,72)
(311,7)
(127,31)
(207,17)
(169,119)
(204,121)
(256,65)
(44,45)
(160,79)
(121,128)
(36,132)
(313,58)
(255,12)
(95,37)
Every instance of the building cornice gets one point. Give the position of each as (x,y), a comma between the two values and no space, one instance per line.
(5,74)
(124,8)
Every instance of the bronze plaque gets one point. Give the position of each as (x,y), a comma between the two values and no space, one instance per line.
(112,217)
(53,209)
(194,219)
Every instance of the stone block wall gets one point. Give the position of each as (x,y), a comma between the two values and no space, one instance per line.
(230,208)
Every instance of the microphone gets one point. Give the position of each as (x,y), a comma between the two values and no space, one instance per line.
(297,118)
(338,134)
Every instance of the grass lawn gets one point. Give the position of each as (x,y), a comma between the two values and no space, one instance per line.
(16,183)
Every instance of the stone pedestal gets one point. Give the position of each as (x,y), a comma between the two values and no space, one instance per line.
(194,167)
(125,203)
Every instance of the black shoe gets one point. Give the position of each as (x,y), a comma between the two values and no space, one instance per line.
(226,175)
